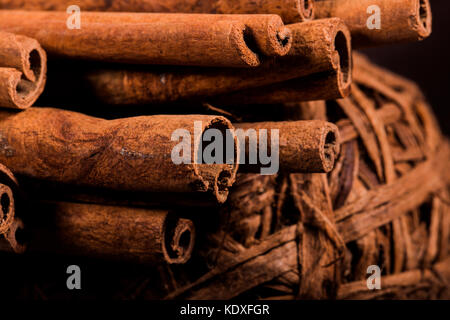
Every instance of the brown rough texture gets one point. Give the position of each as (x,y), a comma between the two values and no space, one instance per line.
(304,146)
(291,11)
(23,68)
(401,20)
(7,208)
(319,86)
(318,46)
(12,240)
(131,234)
(154,38)
(386,202)
(125,154)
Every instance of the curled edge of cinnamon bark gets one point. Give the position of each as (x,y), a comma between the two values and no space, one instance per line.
(179,241)
(333,84)
(306,9)
(23,68)
(8,190)
(14,239)
(7,208)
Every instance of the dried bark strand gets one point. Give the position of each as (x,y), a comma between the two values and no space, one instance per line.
(397,285)
(401,20)
(271,258)
(376,207)
(304,146)
(125,154)
(136,235)
(23,67)
(318,46)
(155,38)
(290,10)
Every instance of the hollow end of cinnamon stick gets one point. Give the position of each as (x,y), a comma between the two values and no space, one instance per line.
(213,180)
(242,40)
(279,38)
(330,147)
(283,41)
(423,19)
(305,9)
(179,240)
(21,87)
(342,57)
(17,236)
(7,211)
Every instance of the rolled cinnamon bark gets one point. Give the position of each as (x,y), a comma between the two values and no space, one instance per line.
(7,208)
(15,239)
(23,67)
(400,20)
(8,193)
(134,154)
(155,38)
(303,146)
(319,86)
(319,46)
(130,234)
(290,10)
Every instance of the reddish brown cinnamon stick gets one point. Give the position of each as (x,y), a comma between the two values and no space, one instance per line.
(303,146)
(290,10)
(131,234)
(23,66)
(154,38)
(319,86)
(126,154)
(319,46)
(400,20)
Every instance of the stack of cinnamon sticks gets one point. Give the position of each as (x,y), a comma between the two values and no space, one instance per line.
(111,161)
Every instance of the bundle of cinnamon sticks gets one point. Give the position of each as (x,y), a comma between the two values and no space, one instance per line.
(194,137)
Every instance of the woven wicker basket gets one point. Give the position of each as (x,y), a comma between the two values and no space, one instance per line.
(386,203)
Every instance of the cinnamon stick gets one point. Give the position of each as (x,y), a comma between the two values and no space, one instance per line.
(147,236)
(133,154)
(318,46)
(23,66)
(302,146)
(400,20)
(155,38)
(319,86)
(290,10)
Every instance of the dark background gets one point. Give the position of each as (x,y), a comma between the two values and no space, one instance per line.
(426,62)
